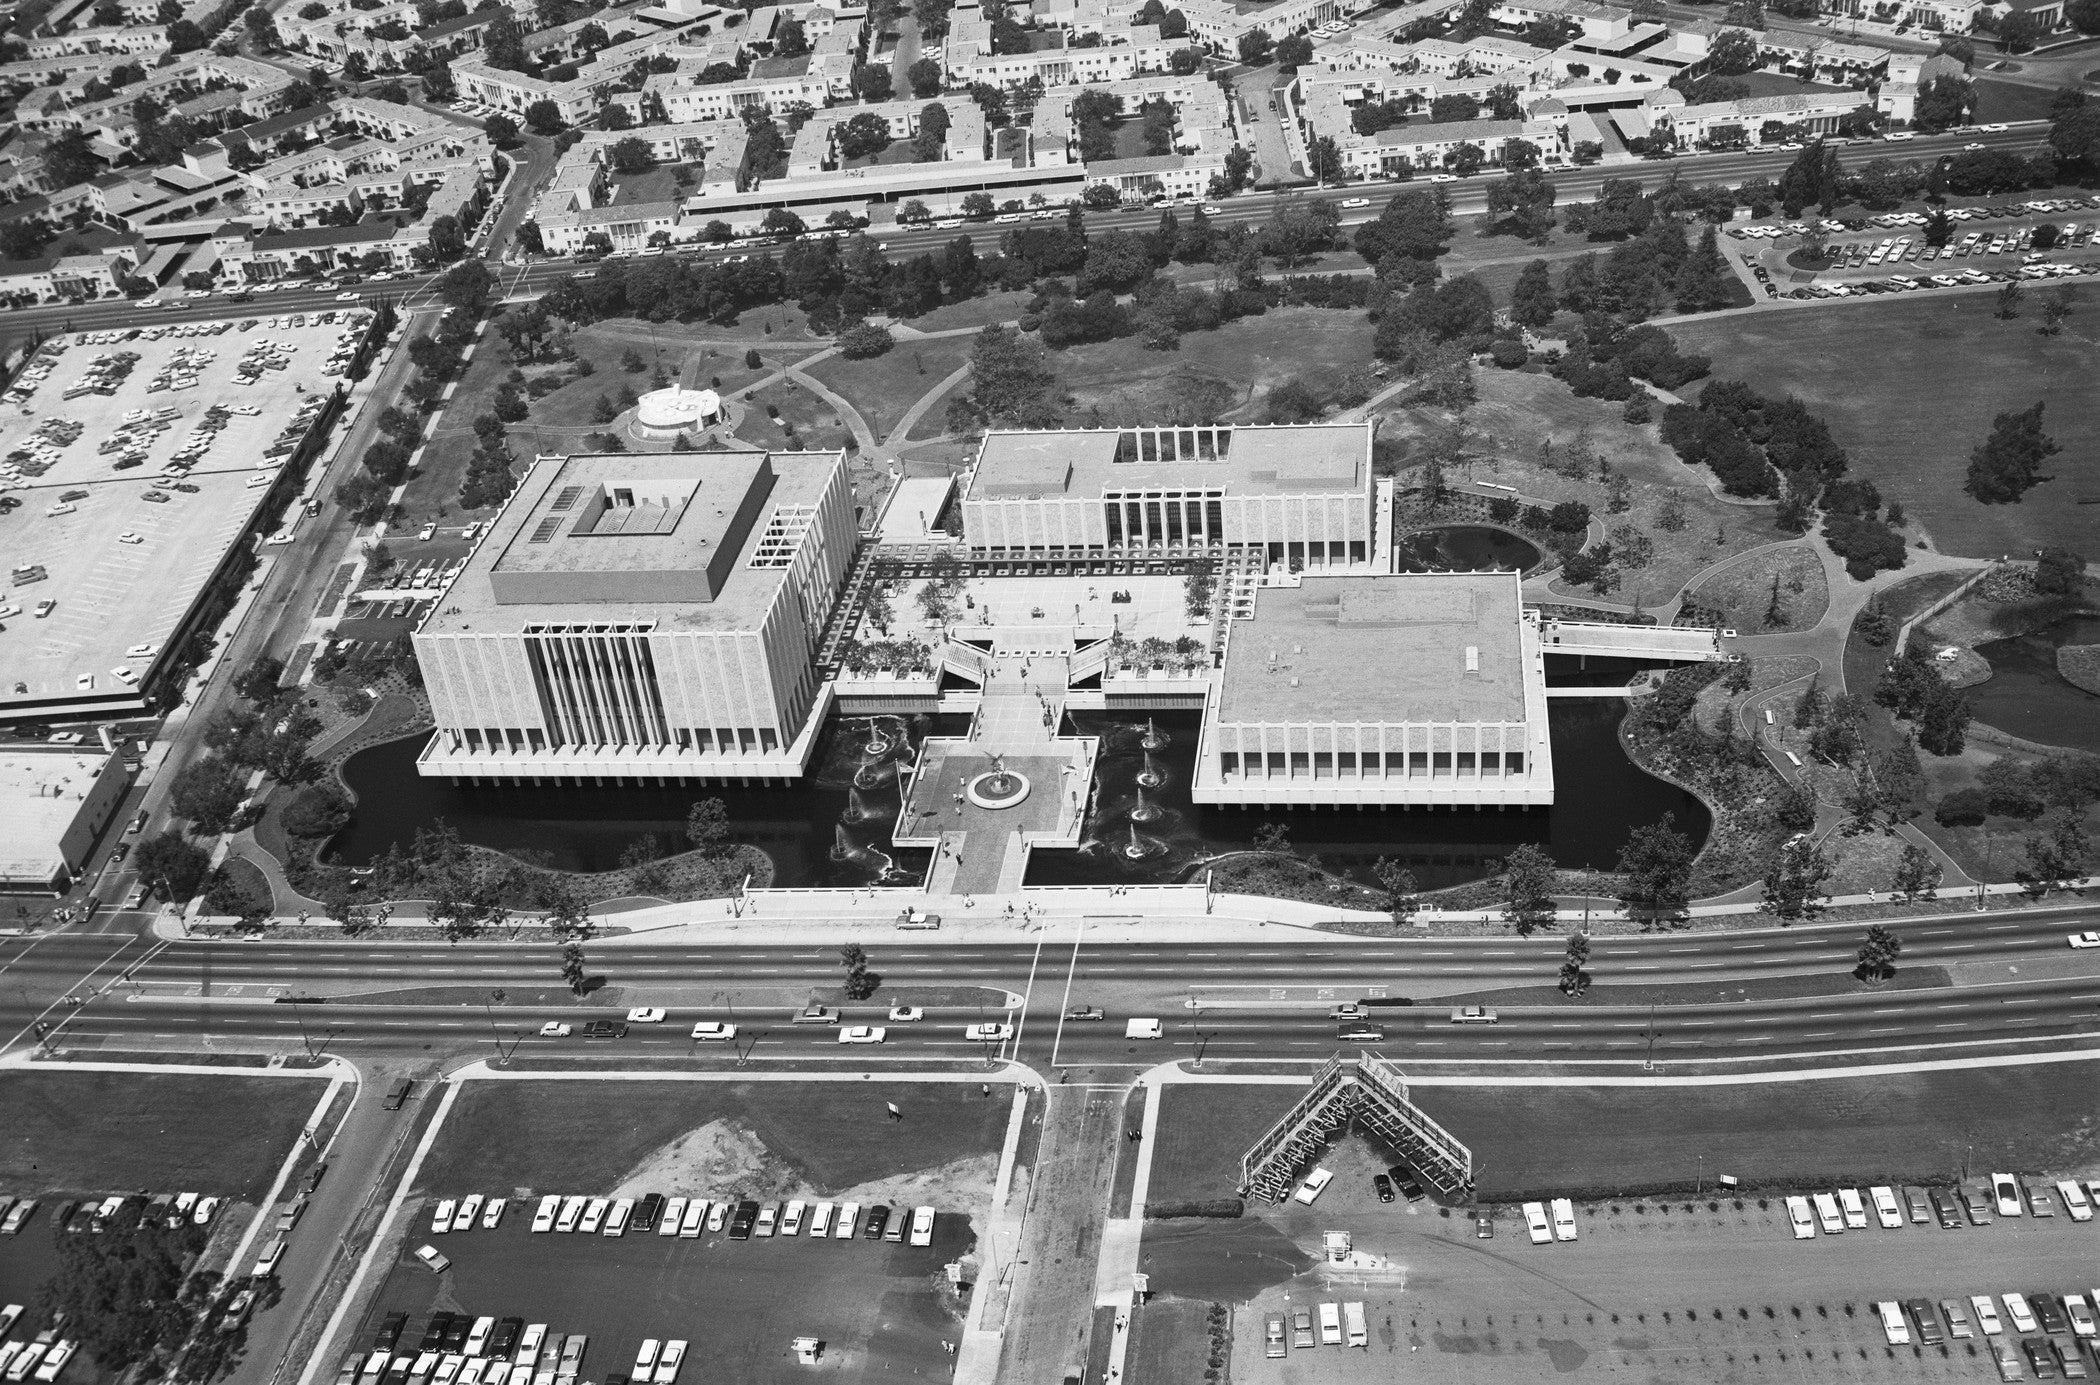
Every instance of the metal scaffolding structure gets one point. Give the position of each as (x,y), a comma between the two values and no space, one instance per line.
(1371,1089)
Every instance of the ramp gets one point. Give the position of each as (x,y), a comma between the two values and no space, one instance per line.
(1372,1090)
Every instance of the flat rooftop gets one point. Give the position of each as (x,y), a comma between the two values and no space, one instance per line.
(1389,648)
(41,792)
(1083,464)
(687,540)
(115,596)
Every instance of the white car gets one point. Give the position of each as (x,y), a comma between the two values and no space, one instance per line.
(991,1032)
(2022,1316)
(1986,1314)
(555,1029)
(429,1255)
(906,1014)
(645,1014)
(1827,1213)
(594,1212)
(347,296)
(862,1034)
(1855,1210)
(1350,204)
(2006,1190)
(668,1361)
(1886,1208)
(493,1213)
(1443,178)
(2081,1315)
(2089,938)
(1563,1219)
(129,537)
(1803,1220)
(1535,1222)
(713,1029)
(469,1211)
(441,1220)
(207,1208)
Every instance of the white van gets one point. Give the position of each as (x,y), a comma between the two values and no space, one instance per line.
(922,1226)
(1563,1219)
(1144,1029)
(1330,1325)
(1315,1183)
(1353,1323)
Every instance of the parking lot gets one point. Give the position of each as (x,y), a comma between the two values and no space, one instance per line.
(1889,254)
(1715,1288)
(132,462)
(882,1310)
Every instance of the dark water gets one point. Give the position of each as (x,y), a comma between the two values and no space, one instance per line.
(1603,794)
(827,830)
(1466,548)
(2028,698)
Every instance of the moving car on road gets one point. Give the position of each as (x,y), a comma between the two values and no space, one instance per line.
(989,1032)
(645,1014)
(906,1014)
(1473,1014)
(1090,1012)
(863,1034)
(713,1031)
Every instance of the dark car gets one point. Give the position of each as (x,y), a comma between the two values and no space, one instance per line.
(1944,1208)
(397,1374)
(2039,1356)
(2049,1312)
(1976,1206)
(742,1220)
(456,1331)
(878,1221)
(605,1029)
(314,1176)
(116,857)
(389,1334)
(646,1212)
(1384,1186)
(434,1332)
(1404,1179)
(1927,1318)
(504,1339)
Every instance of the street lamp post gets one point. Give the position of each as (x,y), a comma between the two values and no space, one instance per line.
(1648,1063)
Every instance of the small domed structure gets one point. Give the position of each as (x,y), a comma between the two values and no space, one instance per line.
(664,414)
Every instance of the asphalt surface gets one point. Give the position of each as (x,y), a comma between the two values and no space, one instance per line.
(1267,1003)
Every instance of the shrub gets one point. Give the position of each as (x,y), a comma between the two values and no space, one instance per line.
(1509,354)
(864,341)
(1962,808)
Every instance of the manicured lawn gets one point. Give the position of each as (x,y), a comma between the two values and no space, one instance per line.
(882,388)
(1524,420)
(818,426)
(1127,383)
(587,1136)
(1745,593)
(1909,386)
(1907,1127)
(108,1131)
(2003,101)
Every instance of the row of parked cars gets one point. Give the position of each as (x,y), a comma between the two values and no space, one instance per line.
(2059,1333)
(691,1217)
(461,1349)
(1340,1324)
(95,1214)
(1844,1209)
(42,1357)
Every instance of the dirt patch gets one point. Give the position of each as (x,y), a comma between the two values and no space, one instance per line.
(726,1159)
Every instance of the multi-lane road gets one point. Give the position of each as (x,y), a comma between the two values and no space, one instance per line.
(1271,1001)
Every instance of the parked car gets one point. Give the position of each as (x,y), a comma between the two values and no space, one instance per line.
(1535,1222)
(1804,1222)
(2005,1190)
(1383,1186)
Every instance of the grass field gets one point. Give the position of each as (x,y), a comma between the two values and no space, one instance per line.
(882,388)
(1122,380)
(587,1136)
(1907,1127)
(101,1131)
(1909,386)
(1745,594)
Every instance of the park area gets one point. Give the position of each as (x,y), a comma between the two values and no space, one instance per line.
(1909,387)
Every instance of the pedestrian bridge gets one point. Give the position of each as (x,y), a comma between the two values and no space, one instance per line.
(1693,644)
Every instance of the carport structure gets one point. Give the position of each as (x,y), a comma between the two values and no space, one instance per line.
(1370,1089)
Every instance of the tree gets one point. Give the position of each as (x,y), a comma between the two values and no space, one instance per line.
(1657,865)
(1733,53)
(2056,306)
(1531,302)
(2059,572)
(319,810)
(1521,205)
(2008,463)
(1529,880)
(707,826)
(1294,52)
(860,982)
(863,136)
(564,907)
(1574,979)
(171,865)
(572,968)
(925,77)
(1255,46)
(859,343)
(1878,953)
(1943,721)
(2057,857)
(1324,157)
(1794,884)
(1703,281)
(1453,109)
(2009,300)
(1398,882)
(209,792)
(1918,874)
(545,118)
